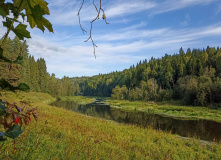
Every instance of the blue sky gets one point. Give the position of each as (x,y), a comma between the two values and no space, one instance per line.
(137,30)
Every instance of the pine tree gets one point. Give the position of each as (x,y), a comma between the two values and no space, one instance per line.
(42,82)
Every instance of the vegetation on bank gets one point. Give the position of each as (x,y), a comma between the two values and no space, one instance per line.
(78,99)
(169,108)
(62,134)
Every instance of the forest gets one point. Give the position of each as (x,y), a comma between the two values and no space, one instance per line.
(33,72)
(194,77)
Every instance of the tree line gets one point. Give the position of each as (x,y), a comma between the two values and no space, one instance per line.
(33,72)
(193,76)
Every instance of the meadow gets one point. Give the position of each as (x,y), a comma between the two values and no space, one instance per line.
(62,134)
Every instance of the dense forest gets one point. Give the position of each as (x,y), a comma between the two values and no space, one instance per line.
(193,77)
(32,72)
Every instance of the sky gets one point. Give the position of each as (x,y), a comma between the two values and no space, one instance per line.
(137,30)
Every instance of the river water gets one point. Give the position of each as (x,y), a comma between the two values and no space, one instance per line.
(203,129)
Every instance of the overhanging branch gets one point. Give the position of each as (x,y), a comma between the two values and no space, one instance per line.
(95,19)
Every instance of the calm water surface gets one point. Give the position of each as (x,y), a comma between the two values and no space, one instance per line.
(204,129)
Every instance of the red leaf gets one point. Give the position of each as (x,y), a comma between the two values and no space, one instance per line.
(17,120)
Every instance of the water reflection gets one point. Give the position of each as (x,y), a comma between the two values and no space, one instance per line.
(203,129)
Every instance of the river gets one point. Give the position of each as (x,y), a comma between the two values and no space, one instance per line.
(203,129)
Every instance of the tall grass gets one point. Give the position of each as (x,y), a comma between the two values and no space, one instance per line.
(62,134)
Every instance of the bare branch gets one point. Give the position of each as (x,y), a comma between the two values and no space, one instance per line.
(80,18)
(95,19)
(95,6)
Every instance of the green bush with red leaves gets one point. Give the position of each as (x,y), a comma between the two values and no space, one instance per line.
(13,117)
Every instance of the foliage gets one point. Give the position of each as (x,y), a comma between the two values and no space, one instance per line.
(12,117)
(193,77)
(33,10)
(33,72)
(7,86)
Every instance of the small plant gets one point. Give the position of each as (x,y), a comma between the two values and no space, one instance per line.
(12,117)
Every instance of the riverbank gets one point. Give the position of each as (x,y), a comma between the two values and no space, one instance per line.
(169,109)
(62,134)
(78,99)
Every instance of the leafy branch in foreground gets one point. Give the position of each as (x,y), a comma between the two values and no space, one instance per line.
(12,117)
(31,10)
(99,11)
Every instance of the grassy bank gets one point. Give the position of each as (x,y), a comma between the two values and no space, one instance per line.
(78,99)
(62,134)
(170,108)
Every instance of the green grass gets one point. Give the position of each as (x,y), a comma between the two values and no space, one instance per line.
(169,108)
(78,99)
(62,134)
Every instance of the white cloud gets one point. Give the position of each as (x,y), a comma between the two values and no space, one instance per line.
(122,8)
(171,5)
(132,34)
(75,59)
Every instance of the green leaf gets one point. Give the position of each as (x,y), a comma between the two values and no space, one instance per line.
(31,21)
(40,25)
(44,5)
(35,18)
(23,87)
(20,4)
(2,12)
(14,131)
(17,3)
(2,108)
(2,112)
(4,8)
(8,23)
(47,24)
(21,32)
(37,12)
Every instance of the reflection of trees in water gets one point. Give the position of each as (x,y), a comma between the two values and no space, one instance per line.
(204,129)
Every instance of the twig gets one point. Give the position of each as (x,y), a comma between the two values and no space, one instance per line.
(84,31)
(95,19)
